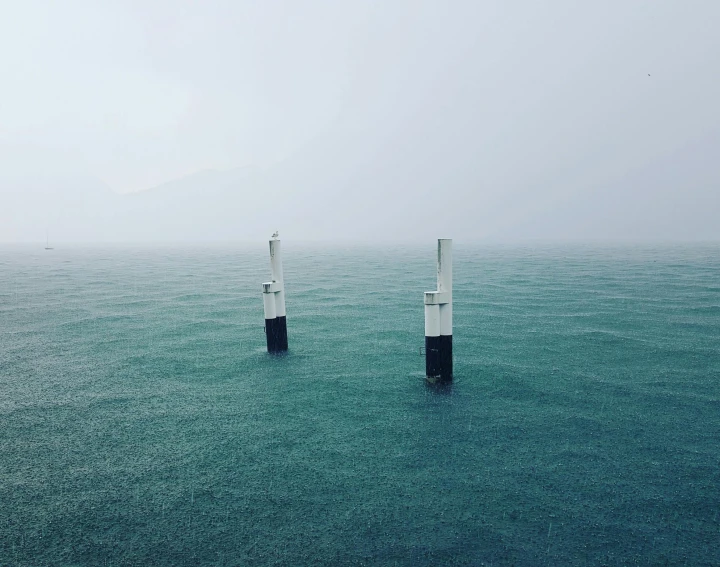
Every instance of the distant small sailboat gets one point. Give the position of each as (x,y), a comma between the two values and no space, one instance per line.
(47,242)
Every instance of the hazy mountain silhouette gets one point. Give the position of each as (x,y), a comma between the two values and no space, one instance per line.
(385,185)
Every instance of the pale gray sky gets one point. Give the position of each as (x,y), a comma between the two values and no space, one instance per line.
(474,119)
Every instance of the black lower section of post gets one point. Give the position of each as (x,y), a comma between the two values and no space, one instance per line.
(282,333)
(438,358)
(276,334)
(446,357)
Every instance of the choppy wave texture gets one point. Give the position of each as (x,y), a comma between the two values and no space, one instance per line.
(142,422)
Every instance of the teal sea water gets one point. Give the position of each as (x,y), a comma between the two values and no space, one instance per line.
(143,423)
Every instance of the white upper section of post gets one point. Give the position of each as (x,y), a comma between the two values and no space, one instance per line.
(444,266)
(438,304)
(443,294)
(275,288)
(276,261)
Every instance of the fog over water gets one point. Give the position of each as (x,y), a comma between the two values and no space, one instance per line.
(178,121)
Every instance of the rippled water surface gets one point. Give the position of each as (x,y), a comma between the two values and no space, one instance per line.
(143,423)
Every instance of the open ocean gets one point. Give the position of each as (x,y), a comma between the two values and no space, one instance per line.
(142,422)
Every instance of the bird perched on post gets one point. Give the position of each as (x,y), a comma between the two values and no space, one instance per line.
(276,234)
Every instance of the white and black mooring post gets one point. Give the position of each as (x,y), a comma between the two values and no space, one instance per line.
(438,319)
(274,302)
